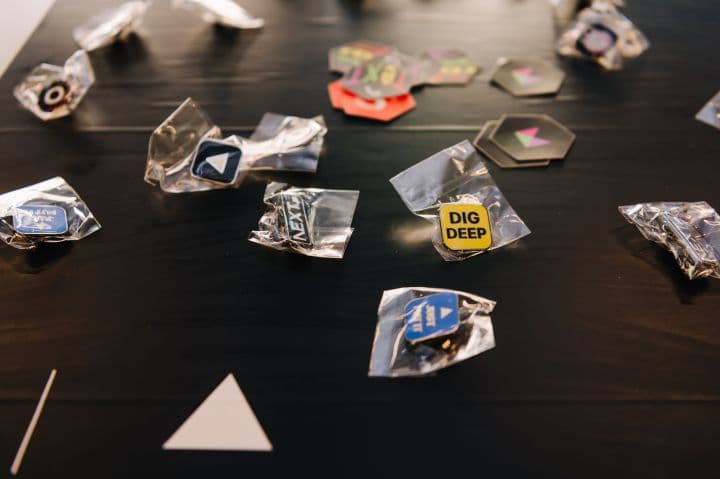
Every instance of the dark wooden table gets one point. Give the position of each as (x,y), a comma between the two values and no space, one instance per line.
(607,357)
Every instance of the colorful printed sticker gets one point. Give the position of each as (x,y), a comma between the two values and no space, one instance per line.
(499,157)
(449,67)
(345,57)
(390,75)
(526,77)
(532,137)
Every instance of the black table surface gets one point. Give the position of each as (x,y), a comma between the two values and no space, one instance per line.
(607,357)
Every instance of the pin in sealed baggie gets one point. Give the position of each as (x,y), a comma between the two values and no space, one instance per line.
(422,330)
(47,212)
(603,35)
(187,152)
(310,221)
(51,91)
(221,12)
(111,25)
(454,190)
(690,231)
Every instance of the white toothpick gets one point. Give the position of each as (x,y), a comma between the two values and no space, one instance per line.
(31,427)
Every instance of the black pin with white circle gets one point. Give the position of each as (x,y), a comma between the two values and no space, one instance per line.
(54,95)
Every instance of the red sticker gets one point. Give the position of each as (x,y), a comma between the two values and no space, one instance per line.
(384,109)
(335,90)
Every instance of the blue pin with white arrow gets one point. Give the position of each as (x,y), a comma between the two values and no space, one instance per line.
(431,317)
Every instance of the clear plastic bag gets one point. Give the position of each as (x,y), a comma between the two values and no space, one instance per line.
(565,10)
(457,179)
(423,330)
(602,34)
(186,152)
(111,25)
(51,91)
(46,212)
(690,231)
(309,221)
(222,12)
(293,144)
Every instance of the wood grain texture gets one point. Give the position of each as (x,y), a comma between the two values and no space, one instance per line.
(607,358)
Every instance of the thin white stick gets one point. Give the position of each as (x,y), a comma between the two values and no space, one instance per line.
(31,427)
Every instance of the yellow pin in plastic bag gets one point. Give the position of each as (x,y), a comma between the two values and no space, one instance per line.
(465,226)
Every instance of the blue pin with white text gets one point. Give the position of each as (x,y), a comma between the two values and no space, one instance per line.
(432,316)
(40,220)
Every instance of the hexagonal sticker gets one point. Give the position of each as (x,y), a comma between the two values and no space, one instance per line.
(347,56)
(532,137)
(527,77)
(384,109)
(449,67)
(385,76)
(496,155)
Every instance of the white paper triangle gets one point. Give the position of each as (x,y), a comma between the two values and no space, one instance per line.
(444,312)
(223,422)
(219,162)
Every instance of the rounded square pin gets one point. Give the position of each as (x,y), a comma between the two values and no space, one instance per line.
(431,317)
(465,226)
(527,77)
(40,220)
(532,137)
(216,160)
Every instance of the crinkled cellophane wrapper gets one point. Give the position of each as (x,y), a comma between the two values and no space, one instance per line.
(393,356)
(690,231)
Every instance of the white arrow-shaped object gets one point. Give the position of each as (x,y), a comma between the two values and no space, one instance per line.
(223,422)
(219,162)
